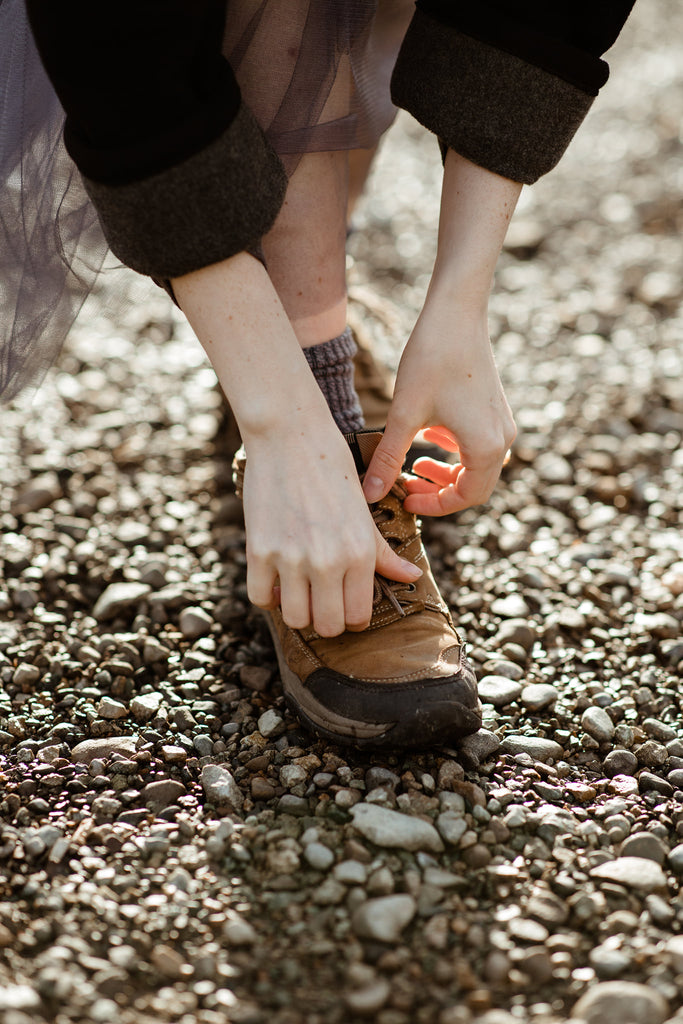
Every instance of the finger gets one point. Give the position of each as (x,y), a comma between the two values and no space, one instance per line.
(387,461)
(327,605)
(442,436)
(470,488)
(440,472)
(295,601)
(261,584)
(392,566)
(358,594)
(420,485)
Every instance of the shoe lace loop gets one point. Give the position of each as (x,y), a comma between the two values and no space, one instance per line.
(396,592)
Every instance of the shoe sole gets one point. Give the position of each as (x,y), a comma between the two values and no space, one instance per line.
(436,723)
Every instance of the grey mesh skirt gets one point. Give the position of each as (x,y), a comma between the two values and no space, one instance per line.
(314,72)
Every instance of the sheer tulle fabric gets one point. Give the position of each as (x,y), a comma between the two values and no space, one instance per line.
(315,73)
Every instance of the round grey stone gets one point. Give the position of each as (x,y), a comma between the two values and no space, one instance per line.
(537,696)
(118,597)
(613,1002)
(111,709)
(538,747)
(675,859)
(385,827)
(598,724)
(498,690)
(319,856)
(644,844)
(634,872)
(220,787)
(384,917)
(194,622)
(620,762)
(513,606)
(452,827)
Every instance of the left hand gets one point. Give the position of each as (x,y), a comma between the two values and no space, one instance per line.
(448,385)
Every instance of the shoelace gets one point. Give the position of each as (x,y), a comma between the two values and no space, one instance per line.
(396,592)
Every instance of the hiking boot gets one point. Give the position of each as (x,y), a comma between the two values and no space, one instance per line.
(402,682)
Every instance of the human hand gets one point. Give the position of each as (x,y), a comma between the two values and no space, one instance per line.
(312,545)
(448,385)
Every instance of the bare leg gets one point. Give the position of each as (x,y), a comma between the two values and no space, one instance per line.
(306,248)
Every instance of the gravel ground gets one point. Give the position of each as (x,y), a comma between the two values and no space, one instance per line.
(172,846)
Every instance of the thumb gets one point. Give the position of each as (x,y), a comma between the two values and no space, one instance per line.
(391,565)
(387,461)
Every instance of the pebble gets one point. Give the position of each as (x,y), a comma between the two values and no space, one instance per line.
(145,707)
(537,696)
(384,918)
(270,723)
(538,747)
(385,827)
(318,856)
(194,622)
(598,724)
(637,873)
(451,826)
(675,859)
(368,1000)
(117,598)
(480,746)
(498,690)
(89,750)
(220,788)
(237,931)
(112,709)
(618,1002)
(644,844)
(620,762)
(157,795)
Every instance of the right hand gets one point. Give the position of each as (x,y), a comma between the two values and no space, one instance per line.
(312,544)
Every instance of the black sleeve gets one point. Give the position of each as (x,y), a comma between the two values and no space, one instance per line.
(180,173)
(506,83)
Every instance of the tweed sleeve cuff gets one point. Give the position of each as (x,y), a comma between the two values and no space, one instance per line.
(210,206)
(494,108)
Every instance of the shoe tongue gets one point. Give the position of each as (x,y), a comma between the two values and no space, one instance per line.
(362,444)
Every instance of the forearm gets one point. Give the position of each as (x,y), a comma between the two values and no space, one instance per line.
(239,320)
(476,207)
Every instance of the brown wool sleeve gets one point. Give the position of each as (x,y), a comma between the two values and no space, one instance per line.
(210,206)
(494,108)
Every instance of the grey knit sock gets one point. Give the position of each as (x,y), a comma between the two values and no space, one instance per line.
(332,366)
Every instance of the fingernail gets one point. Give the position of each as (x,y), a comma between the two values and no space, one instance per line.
(413,570)
(373,488)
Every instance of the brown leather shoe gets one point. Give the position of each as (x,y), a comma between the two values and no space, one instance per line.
(402,682)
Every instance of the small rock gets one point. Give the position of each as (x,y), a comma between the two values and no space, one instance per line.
(498,690)
(38,493)
(675,859)
(368,1000)
(615,1002)
(513,606)
(111,709)
(163,793)
(255,677)
(220,787)
(598,724)
(194,622)
(88,750)
(19,997)
(239,932)
(633,872)
(451,826)
(384,918)
(319,856)
(538,747)
(652,754)
(480,745)
(350,872)
(620,762)
(119,597)
(385,827)
(261,789)
(167,961)
(270,723)
(644,844)
(145,707)
(26,674)
(537,696)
